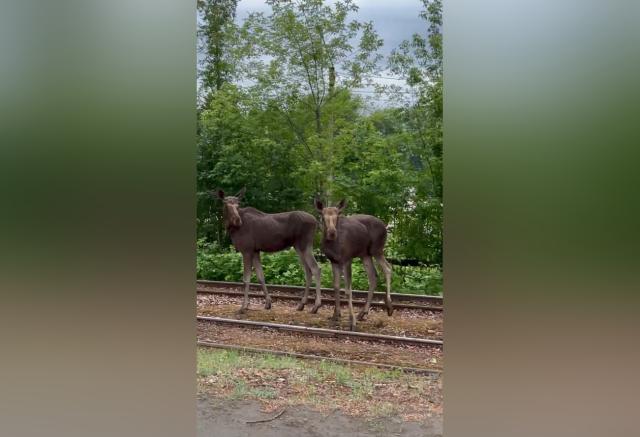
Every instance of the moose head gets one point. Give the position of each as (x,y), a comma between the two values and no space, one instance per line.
(230,208)
(329,217)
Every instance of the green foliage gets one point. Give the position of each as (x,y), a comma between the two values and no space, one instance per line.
(303,57)
(303,41)
(281,119)
(217,35)
(419,60)
(241,145)
(284,268)
(417,280)
(219,266)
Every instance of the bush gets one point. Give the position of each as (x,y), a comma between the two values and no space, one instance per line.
(216,264)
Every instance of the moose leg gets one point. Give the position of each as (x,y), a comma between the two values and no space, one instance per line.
(315,270)
(386,268)
(307,280)
(336,289)
(247,259)
(371,275)
(260,274)
(347,286)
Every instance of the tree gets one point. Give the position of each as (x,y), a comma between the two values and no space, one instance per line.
(240,146)
(419,60)
(216,34)
(374,175)
(293,59)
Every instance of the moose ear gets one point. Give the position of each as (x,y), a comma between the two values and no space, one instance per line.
(220,194)
(318,204)
(241,192)
(342,205)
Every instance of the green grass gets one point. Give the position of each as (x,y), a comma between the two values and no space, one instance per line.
(284,380)
(242,391)
(217,363)
(224,362)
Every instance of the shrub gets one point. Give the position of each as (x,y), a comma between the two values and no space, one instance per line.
(216,264)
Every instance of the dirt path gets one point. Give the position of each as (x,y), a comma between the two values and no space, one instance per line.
(226,418)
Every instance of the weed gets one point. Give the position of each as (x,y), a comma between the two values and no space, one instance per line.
(353,390)
(385,409)
(243,391)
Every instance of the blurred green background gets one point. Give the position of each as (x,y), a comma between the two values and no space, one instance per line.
(97,192)
(541,220)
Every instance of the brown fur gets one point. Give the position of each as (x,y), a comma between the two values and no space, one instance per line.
(357,236)
(253,231)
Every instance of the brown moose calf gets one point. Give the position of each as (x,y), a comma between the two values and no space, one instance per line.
(254,231)
(345,238)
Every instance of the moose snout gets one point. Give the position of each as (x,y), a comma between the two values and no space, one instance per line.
(331,235)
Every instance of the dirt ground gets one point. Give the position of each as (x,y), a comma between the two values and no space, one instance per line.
(227,418)
(410,323)
(399,355)
(318,398)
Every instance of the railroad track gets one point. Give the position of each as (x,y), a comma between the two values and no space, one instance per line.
(408,301)
(324,332)
(417,370)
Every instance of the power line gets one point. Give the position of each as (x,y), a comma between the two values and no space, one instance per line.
(388,77)
(378,92)
(374,75)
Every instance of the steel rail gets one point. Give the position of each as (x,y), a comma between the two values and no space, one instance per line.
(356,293)
(417,370)
(325,300)
(324,331)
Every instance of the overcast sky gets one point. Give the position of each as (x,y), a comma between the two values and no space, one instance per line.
(394,20)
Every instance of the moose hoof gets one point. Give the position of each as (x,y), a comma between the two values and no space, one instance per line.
(267,305)
(300,307)
(389,308)
(242,310)
(315,309)
(361,316)
(352,325)
(335,317)
(389,311)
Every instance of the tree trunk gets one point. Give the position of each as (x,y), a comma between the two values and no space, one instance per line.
(318,125)
(332,79)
